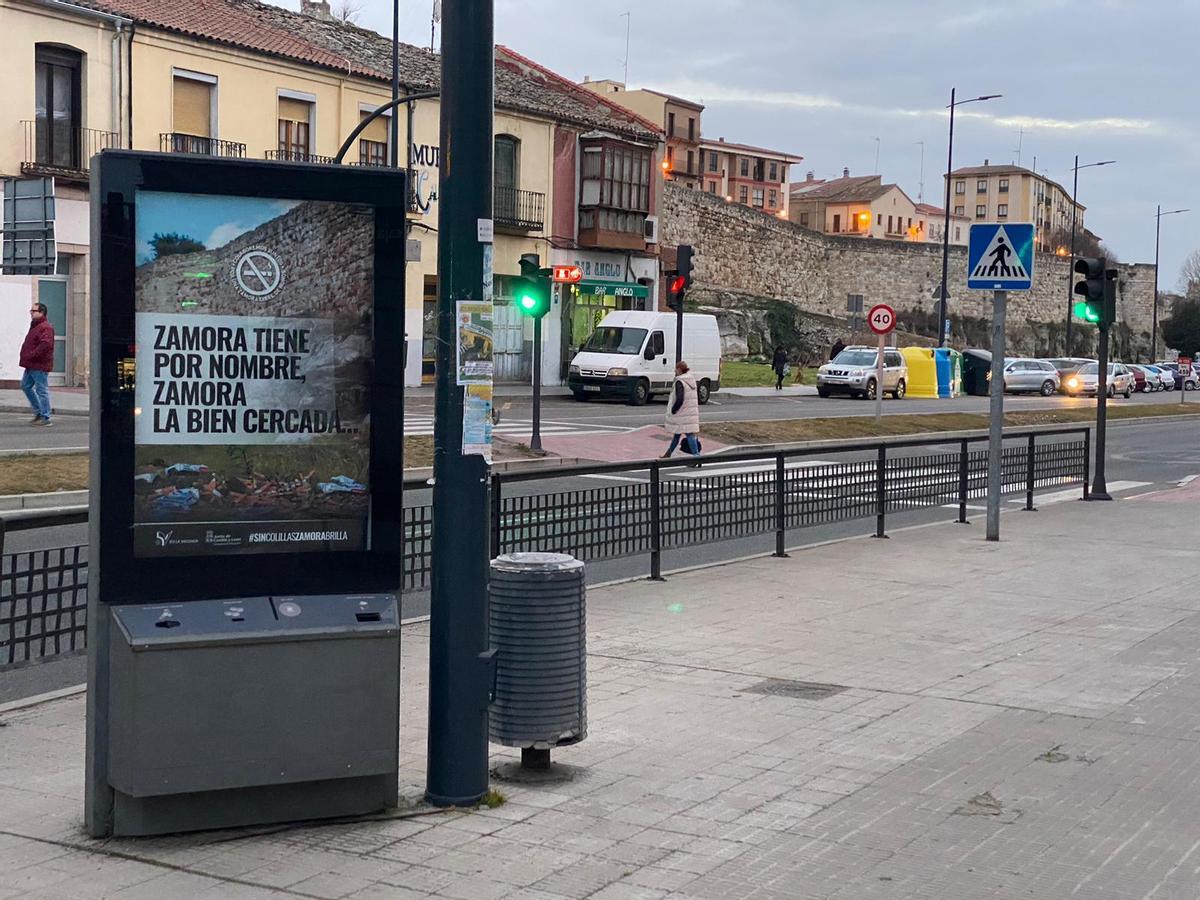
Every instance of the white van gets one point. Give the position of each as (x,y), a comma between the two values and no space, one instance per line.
(631,355)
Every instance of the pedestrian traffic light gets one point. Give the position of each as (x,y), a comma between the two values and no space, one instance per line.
(1098,291)
(533,287)
(681,277)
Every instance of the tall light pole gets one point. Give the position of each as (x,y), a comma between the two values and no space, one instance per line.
(942,301)
(1157,230)
(1071,261)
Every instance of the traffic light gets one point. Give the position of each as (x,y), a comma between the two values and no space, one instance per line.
(533,287)
(681,278)
(1098,291)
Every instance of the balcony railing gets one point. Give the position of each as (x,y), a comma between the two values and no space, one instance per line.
(294,156)
(65,152)
(413,175)
(519,209)
(177,142)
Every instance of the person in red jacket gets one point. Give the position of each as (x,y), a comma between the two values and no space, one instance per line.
(37,359)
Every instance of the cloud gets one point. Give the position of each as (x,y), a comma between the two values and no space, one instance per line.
(224,233)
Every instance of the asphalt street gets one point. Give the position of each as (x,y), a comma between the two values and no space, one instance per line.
(1144,455)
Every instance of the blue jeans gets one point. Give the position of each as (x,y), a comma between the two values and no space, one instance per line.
(36,385)
(690,444)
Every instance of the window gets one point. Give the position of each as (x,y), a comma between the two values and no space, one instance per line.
(957,233)
(960,211)
(758,198)
(837,223)
(910,223)
(804,219)
(691,128)
(670,157)
(712,187)
(615,190)
(670,124)
(772,198)
(295,122)
(960,187)
(760,170)
(712,162)
(192,104)
(879,219)
(373,142)
(980,211)
(1002,210)
(745,168)
(657,344)
(981,186)
(889,225)
(691,160)
(1003,185)
(56,71)
(774,172)
(743,194)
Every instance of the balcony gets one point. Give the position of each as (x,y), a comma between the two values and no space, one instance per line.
(177,142)
(63,152)
(297,157)
(522,210)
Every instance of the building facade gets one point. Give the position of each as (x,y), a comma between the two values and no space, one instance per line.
(1010,193)
(933,224)
(252,80)
(679,119)
(857,206)
(751,176)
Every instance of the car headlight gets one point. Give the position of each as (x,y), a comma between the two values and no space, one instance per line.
(1072,382)
(573,370)
(617,372)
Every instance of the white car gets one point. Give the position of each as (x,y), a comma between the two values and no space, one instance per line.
(1030,376)
(854,372)
(1086,380)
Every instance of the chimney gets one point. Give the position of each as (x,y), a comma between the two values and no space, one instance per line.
(986,162)
(810,175)
(846,172)
(587,78)
(721,140)
(316,9)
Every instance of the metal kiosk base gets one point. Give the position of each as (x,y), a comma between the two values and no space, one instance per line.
(240,712)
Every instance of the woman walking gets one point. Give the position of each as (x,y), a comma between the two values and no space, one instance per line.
(683,413)
(779,363)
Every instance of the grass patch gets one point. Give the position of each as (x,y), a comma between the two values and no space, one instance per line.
(750,374)
(43,474)
(492,799)
(788,431)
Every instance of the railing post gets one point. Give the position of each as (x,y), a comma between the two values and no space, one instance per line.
(497,515)
(1087,461)
(655,525)
(780,508)
(881,492)
(1030,460)
(964,463)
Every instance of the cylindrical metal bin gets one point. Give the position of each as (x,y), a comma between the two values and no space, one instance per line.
(538,627)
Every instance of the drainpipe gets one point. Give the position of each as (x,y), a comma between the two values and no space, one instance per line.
(116,63)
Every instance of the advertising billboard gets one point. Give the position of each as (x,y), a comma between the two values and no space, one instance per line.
(252,397)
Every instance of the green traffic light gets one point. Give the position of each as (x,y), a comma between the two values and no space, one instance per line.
(1084,311)
(527,302)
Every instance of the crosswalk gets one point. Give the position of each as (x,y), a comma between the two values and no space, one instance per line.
(422,426)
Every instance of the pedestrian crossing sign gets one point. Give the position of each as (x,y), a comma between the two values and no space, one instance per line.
(1000,257)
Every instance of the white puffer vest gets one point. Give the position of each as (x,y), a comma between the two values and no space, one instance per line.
(687,420)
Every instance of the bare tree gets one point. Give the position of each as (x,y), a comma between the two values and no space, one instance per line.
(348,10)
(1189,275)
(1086,244)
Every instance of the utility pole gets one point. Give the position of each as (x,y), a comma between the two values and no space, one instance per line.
(1158,215)
(459,659)
(1071,260)
(996,422)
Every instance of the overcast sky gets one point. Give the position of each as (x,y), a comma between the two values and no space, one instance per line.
(1107,79)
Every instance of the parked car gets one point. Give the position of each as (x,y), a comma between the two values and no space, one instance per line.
(1166,379)
(1085,380)
(853,372)
(1066,366)
(1030,376)
(1184,381)
(1141,384)
(631,355)
(1155,380)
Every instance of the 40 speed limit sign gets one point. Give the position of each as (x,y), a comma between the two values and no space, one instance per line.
(882,319)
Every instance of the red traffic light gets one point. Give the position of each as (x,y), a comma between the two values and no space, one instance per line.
(678,284)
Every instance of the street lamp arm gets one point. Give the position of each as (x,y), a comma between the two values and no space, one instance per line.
(975,99)
(375,114)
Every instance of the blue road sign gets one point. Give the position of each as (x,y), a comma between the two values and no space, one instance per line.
(1000,257)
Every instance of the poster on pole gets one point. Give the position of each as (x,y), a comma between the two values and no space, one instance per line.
(253,375)
(474,342)
(477,421)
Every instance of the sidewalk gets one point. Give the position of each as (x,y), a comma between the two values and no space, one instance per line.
(63,401)
(929,716)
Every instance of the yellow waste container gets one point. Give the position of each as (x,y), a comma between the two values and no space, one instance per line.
(922,372)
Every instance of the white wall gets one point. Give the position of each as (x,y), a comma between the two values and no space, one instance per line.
(16,297)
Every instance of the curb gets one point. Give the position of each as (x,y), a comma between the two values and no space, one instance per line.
(9,408)
(58,500)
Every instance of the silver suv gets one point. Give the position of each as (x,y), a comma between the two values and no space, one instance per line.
(1030,376)
(853,372)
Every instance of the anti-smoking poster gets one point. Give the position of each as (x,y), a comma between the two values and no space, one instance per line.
(253,324)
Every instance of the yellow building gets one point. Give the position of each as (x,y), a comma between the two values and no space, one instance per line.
(857,206)
(1010,193)
(244,79)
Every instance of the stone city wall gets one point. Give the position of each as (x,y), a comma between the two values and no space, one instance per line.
(742,254)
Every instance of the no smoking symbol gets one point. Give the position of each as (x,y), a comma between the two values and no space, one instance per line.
(258,273)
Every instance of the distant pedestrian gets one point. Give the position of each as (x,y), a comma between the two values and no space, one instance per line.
(780,364)
(37,359)
(838,347)
(683,413)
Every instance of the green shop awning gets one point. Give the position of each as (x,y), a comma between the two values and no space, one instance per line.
(613,289)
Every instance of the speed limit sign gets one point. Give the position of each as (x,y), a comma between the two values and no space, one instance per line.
(882,319)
